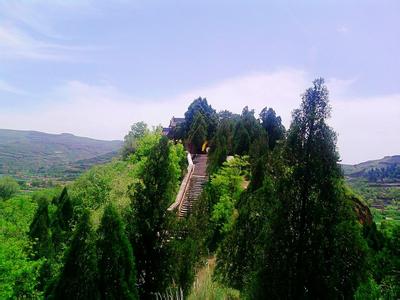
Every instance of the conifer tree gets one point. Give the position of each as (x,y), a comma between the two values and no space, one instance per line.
(241,139)
(79,276)
(314,248)
(201,106)
(272,125)
(117,270)
(148,223)
(39,233)
(61,224)
(198,133)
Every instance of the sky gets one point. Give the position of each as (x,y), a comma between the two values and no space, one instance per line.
(93,68)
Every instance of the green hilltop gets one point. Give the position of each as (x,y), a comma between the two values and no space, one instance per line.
(33,154)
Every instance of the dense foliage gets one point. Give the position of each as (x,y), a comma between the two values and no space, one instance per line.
(8,187)
(275,219)
(390,173)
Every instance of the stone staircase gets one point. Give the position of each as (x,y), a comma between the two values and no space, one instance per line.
(196,183)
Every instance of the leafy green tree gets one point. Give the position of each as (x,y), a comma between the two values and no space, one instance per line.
(8,187)
(138,130)
(197,134)
(148,222)
(226,186)
(79,276)
(19,273)
(117,270)
(272,125)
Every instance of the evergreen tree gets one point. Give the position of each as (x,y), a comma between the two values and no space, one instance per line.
(272,125)
(39,231)
(79,276)
(148,223)
(314,248)
(241,139)
(117,270)
(42,247)
(62,220)
(200,105)
(197,134)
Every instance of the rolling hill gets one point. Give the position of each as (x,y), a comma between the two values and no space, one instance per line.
(33,154)
(361,169)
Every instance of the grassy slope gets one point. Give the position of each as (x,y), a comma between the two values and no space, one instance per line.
(35,154)
(205,288)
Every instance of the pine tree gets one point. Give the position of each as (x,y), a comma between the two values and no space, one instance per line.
(272,125)
(62,221)
(148,223)
(39,233)
(314,248)
(221,145)
(79,276)
(117,270)
(201,106)
(241,139)
(197,133)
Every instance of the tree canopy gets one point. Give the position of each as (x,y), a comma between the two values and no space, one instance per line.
(8,187)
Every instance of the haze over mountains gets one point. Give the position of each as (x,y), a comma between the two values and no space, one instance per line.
(25,154)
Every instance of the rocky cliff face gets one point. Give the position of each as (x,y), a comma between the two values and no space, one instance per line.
(362,210)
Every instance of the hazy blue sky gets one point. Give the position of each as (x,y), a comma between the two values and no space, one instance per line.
(93,68)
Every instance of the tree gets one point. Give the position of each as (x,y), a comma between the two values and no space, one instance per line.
(42,247)
(39,231)
(8,187)
(117,270)
(272,125)
(197,134)
(62,220)
(241,139)
(314,247)
(247,130)
(151,196)
(200,105)
(138,130)
(79,276)
(240,253)
(221,144)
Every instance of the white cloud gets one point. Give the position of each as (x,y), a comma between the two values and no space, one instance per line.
(367,127)
(15,43)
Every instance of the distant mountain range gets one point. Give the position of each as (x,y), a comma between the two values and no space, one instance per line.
(31,154)
(387,166)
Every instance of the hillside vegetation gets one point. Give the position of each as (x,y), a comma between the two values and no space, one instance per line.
(32,154)
(364,169)
(274,220)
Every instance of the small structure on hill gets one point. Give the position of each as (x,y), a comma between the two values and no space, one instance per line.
(174,127)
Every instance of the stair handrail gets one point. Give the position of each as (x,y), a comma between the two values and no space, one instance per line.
(184,185)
